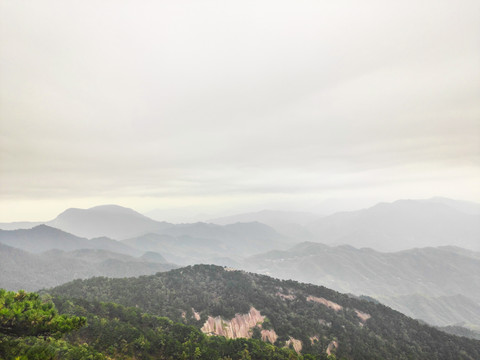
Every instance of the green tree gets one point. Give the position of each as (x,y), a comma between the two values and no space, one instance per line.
(30,329)
(24,314)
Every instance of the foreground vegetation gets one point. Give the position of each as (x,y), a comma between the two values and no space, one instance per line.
(31,328)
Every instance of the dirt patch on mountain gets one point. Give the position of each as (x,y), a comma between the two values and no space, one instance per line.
(362,316)
(328,303)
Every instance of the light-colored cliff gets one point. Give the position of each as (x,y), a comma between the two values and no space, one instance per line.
(239,327)
(269,335)
(196,315)
(362,316)
(332,346)
(297,344)
(328,303)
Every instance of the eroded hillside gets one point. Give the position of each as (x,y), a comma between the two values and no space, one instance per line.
(311,319)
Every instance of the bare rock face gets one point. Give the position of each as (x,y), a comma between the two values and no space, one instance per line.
(314,339)
(297,344)
(332,346)
(286,297)
(269,335)
(196,315)
(238,327)
(328,303)
(362,316)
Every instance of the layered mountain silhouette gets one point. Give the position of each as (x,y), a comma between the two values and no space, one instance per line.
(23,270)
(440,281)
(182,243)
(431,284)
(289,223)
(42,238)
(400,225)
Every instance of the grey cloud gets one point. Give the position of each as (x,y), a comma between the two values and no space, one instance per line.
(192,98)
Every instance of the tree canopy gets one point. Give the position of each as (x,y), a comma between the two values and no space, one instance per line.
(31,328)
(24,314)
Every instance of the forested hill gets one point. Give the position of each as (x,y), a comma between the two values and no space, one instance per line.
(312,319)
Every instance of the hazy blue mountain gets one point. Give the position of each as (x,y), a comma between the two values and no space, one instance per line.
(400,225)
(468,207)
(461,251)
(183,243)
(20,269)
(435,273)
(152,256)
(19,225)
(460,331)
(42,238)
(179,249)
(439,311)
(106,243)
(289,223)
(204,243)
(112,221)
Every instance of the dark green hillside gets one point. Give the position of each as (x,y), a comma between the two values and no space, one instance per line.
(120,332)
(315,315)
(31,328)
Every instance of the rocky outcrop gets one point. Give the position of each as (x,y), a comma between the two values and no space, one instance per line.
(269,335)
(333,345)
(314,339)
(238,327)
(328,303)
(196,315)
(286,297)
(362,316)
(296,344)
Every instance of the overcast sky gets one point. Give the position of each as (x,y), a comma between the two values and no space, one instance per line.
(218,106)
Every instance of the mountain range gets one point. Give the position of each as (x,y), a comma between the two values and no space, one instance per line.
(289,223)
(400,225)
(181,243)
(438,285)
(43,238)
(20,269)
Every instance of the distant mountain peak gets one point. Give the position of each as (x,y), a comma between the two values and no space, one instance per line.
(107,208)
(112,221)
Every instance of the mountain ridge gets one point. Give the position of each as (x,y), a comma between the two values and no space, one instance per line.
(22,270)
(314,317)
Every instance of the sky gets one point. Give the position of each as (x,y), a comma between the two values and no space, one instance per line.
(207,107)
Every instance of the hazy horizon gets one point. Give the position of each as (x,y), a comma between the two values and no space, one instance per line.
(222,107)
